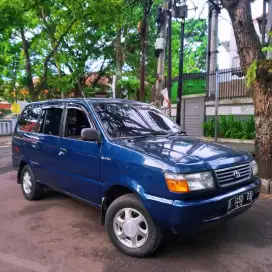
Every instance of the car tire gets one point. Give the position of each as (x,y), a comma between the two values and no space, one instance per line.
(32,190)
(127,218)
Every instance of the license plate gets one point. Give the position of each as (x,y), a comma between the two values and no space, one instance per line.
(240,201)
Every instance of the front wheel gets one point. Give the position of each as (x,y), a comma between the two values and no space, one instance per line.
(131,228)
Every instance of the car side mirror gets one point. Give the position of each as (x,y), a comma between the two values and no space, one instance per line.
(90,135)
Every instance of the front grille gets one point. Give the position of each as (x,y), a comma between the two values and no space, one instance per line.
(233,175)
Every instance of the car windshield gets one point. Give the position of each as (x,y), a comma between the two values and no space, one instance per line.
(132,120)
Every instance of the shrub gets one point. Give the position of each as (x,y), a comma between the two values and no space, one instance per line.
(231,127)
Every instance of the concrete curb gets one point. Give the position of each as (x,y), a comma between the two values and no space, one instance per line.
(266,187)
(265,196)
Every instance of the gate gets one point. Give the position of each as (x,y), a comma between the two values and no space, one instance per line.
(194,112)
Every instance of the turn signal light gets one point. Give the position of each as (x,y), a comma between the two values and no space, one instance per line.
(177,186)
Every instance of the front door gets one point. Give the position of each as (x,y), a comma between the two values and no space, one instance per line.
(78,160)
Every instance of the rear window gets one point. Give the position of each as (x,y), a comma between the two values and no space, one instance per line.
(29,118)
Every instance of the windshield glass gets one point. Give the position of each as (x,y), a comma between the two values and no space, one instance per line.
(128,120)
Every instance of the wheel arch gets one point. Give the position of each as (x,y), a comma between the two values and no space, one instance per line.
(21,167)
(116,191)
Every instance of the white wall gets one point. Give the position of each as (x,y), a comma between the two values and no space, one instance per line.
(234,107)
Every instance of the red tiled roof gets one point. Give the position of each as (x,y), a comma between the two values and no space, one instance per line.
(103,80)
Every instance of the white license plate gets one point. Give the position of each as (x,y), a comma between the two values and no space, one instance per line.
(240,201)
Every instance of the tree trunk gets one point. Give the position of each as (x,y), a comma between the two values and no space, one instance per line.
(247,40)
(28,67)
(143,56)
(56,44)
(249,49)
(119,61)
(263,122)
(78,88)
(59,71)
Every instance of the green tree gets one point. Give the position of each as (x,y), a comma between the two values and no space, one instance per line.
(127,40)
(195,46)
(47,32)
(250,53)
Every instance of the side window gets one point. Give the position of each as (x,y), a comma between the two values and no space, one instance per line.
(52,121)
(29,118)
(75,122)
(40,124)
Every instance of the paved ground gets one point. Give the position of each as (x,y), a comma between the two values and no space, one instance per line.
(60,234)
(5,141)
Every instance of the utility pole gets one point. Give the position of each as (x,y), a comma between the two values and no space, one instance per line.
(217,81)
(264,23)
(160,46)
(213,47)
(214,76)
(182,13)
(208,58)
(170,54)
(269,27)
(180,80)
(119,61)
(143,56)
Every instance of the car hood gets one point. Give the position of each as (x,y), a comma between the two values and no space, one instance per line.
(191,154)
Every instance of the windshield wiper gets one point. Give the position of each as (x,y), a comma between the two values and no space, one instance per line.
(177,133)
(153,133)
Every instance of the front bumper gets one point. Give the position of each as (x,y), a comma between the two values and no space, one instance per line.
(179,216)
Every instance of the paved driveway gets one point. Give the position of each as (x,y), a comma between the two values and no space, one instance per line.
(61,234)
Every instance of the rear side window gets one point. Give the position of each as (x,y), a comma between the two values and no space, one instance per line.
(52,121)
(29,118)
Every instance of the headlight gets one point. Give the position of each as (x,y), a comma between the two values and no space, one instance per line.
(254,168)
(185,183)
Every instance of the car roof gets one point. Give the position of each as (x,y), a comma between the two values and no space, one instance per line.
(89,100)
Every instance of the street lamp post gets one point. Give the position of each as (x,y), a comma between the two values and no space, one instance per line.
(181,11)
(170,54)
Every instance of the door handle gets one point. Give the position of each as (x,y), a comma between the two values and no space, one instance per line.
(62,152)
(34,145)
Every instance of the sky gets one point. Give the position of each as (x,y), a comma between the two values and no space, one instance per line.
(224,25)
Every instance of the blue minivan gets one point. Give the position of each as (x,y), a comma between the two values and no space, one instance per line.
(135,164)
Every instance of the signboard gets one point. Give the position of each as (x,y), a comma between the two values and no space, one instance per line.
(15,108)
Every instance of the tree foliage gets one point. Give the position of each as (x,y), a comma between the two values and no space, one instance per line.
(55,41)
(52,48)
(195,46)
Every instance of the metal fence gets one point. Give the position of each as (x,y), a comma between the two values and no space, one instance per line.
(7,126)
(232,84)
(193,83)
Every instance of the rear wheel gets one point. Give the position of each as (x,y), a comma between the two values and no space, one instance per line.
(32,190)
(131,228)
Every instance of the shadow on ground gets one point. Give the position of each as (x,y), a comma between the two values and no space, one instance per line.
(242,244)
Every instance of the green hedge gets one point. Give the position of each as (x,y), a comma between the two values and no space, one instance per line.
(231,127)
